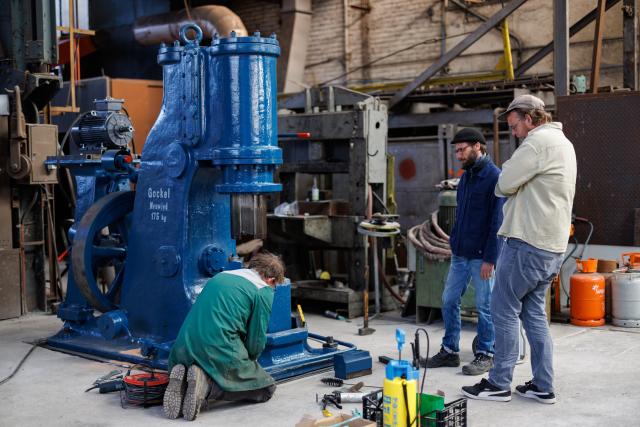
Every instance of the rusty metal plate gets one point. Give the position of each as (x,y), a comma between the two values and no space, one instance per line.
(417,171)
(10,284)
(43,142)
(605,132)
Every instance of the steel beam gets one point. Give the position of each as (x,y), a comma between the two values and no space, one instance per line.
(472,12)
(400,121)
(597,47)
(630,44)
(561,47)
(483,29)
(575,29)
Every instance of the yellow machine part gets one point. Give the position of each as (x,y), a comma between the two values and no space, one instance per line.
(394,406)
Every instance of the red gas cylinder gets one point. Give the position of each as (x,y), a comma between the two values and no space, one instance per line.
(587,296)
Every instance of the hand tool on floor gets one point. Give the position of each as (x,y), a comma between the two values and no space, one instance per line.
(328,399)
(108,383)
(337,382)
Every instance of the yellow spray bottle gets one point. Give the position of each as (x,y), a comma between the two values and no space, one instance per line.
(399,390)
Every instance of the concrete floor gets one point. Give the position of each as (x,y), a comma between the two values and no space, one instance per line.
(597,377)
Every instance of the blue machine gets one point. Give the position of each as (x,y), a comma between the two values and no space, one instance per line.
(206,165)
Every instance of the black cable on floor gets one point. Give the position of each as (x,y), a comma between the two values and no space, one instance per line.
(24,359)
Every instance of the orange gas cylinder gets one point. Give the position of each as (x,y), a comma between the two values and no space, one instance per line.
(587,299)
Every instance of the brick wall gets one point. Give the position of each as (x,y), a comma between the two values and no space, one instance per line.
(258,15)
(394,25)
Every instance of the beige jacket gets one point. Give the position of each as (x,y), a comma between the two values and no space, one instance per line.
(540,181)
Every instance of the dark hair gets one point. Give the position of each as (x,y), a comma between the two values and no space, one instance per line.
(268,266)
(538,117)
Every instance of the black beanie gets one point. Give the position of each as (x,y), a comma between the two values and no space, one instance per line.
(468,135)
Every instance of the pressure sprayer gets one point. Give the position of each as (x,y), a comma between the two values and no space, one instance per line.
(399,390)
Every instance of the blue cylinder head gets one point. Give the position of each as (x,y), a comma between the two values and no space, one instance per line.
(242,96)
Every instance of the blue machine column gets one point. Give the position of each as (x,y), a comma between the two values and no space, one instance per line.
(206,165)
(208,157)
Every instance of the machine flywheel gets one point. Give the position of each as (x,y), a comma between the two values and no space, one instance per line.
(100,241)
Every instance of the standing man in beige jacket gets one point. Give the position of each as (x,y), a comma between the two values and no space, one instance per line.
(539,183)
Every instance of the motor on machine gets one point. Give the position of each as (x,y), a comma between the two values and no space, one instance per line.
(204,171)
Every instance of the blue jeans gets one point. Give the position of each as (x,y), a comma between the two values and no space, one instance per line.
(462,271)
(523,276)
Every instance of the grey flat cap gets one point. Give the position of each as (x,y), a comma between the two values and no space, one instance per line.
(524,102)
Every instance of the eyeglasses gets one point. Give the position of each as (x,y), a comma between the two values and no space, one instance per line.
(462,149)
(513,126)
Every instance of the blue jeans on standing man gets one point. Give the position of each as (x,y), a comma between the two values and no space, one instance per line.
(462,271)
(523,276)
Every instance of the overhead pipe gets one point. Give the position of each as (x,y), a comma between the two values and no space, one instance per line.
(165,28)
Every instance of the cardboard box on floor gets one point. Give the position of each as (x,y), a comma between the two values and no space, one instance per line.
(309,421)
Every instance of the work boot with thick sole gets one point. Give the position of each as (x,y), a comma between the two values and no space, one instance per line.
(197,390)
(444,359)
(172,401)
(481,364)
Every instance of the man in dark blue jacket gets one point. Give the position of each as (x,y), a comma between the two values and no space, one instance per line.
(474,245)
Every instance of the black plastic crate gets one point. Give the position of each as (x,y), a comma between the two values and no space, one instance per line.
(372,407)
(454,414)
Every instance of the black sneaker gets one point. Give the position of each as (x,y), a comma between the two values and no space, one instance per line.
(444,358)
(532,392)
(484,390)
(481,364)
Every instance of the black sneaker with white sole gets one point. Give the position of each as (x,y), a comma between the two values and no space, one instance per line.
(484,390)
(531,391)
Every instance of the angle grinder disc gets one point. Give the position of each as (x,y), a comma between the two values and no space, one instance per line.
(386,226)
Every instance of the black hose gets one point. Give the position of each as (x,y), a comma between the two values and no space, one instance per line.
(586,242)
(68,132)
(575,247)
(31,204)
(424,375)
(24,359)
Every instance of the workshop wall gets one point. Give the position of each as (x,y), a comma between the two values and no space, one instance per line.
(408,32)
(381,27)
